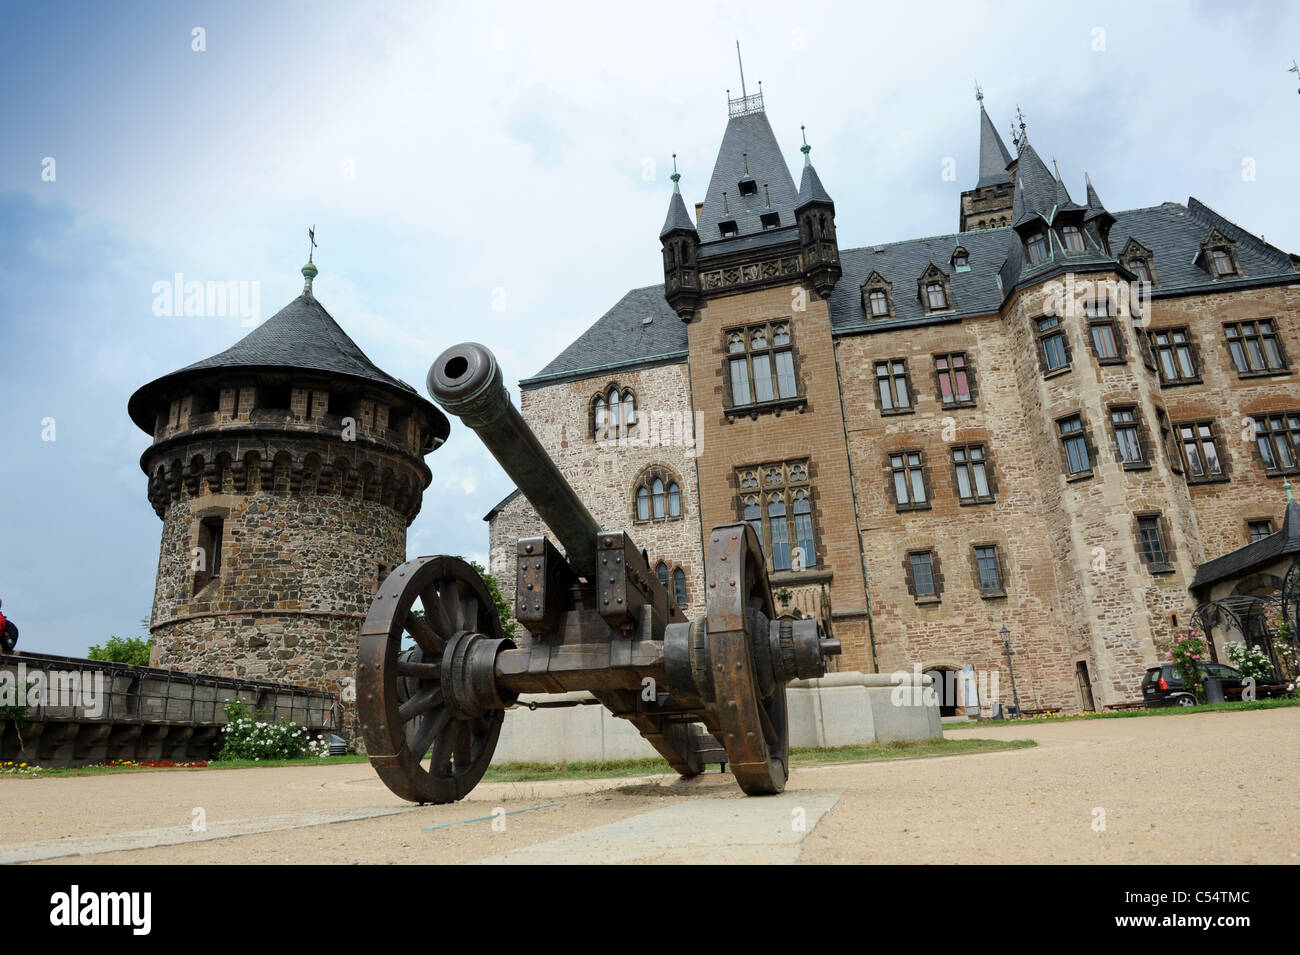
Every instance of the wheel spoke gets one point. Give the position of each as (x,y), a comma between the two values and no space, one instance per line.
(429,641)
(463,746)
(452,598)
(435,608)
(429,729)
(421,670)
(468,607)
(423,701)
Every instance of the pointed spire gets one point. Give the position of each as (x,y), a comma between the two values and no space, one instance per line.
(994,157)
(805,148)
(678,217)
(309,271)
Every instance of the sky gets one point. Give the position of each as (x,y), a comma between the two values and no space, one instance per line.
(500,172)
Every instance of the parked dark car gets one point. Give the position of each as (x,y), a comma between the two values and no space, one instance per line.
(1162,686)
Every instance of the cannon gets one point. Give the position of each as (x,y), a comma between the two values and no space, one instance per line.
(594,617)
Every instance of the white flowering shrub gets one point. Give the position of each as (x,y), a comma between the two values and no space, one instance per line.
(1251,661)
(251,736)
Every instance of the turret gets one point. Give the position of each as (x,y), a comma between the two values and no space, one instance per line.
(681,245)
(815,213)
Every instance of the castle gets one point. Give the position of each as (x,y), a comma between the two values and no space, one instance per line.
(1011,444)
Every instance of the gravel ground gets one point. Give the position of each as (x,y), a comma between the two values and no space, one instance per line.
(1211,787)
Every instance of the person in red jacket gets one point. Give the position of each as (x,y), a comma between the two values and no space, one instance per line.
(8,635)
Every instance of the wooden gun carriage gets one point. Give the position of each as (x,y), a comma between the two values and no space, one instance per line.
(597,619)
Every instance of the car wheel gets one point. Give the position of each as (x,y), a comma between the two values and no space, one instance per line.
(1185,700)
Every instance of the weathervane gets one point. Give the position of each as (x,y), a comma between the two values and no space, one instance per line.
(979,93)
(311,234)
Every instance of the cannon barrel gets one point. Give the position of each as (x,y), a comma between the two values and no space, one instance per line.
(466,381)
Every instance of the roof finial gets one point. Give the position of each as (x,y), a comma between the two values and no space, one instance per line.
(979,94)
(805,148)
(742,70)
(309,270)
(1287,487)
(676,176)
(745,157)
(1024,136)
(1057,168)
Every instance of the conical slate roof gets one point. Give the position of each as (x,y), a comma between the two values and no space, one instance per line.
(811,189)
(678,217)
(994,157)
(1036,190)
(1095,208)
(748,143)
(301,336)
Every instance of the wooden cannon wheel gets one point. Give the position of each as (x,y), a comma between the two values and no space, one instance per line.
(403,708)
(754,728)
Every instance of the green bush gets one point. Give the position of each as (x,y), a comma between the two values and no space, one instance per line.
(1251,661)
(133,650)
(254,737)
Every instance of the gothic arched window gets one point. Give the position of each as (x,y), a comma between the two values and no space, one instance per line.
(679,586)
(658,496)
(612,411)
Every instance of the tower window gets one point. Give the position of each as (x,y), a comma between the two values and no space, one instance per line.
(1151,544)
(760,364)
(1260,529)
(1278,440)
(1053,350)
(679,586)
(954,379)
(1174,356)
(781,513)
(1073,238)
(1200,452)
(923,577)
(971,468)
(1036,247)
(748,187)
(989,571)
(910,484)
(1074,441)
(206,560)
(1129,446)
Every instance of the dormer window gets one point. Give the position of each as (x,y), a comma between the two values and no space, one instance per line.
(1139,268)
(1072,237)
(748,187)
(961,260)
(933,289)
(728,228)
(1036,248)
(1139,260)
(1219,255)
(770,220)
(877,298)
(935,296)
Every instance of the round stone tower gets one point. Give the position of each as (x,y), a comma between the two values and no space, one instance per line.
(285,470)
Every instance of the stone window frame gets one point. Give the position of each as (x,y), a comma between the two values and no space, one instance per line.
(746,332)
(893,377)
(1216,241)
(1158,351)
(906,467)
(1164,538)
(675,574)
(1001,590)
(1214,440)
(600,401)
(936,575)
(1102,314)
(1139,426)
(795,477)
(1264,425)
(933,275)
(1135,251)
(877,283)
(201,580)
(1250,530)
(1041,335)
(1241,338)
(645,482)
(1090,447)
(1167,435)
(990,478)
(967,367)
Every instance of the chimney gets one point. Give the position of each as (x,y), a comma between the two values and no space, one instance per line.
(698,207)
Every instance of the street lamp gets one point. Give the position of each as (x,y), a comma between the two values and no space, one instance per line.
(1005,634)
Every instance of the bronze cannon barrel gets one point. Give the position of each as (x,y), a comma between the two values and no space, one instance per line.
(466,381)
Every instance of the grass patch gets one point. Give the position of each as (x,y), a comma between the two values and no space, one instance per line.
(799,756)
(1274,704)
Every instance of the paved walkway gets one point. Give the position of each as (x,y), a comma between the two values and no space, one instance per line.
(1211,787)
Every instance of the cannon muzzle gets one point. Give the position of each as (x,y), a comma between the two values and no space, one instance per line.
(466,381)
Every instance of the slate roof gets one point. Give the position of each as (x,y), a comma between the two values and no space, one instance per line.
(811,188)
(1281,542)
(678,217)
(301,336)
(1038,193)
(994,157)
(1172,231)
(747,141)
